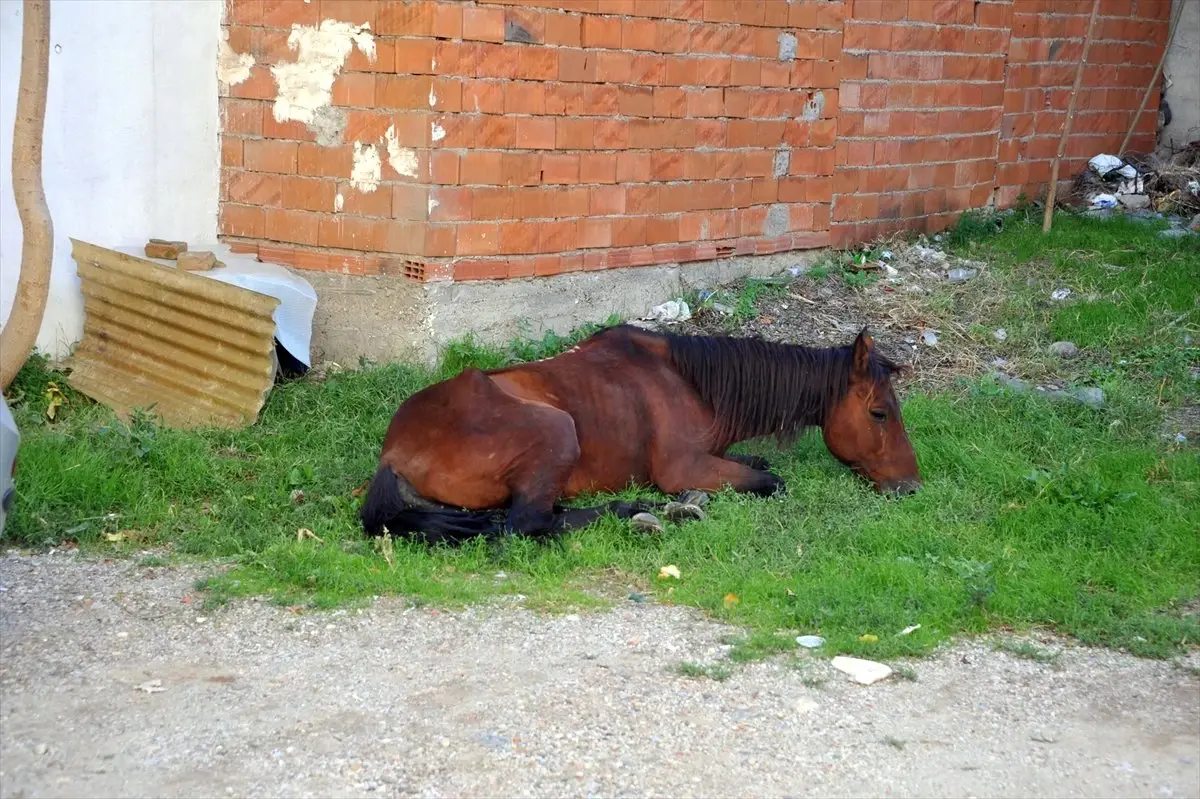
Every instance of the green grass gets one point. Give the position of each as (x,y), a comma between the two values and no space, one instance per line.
(1034,514)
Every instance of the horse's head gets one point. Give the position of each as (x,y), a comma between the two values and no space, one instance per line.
(865,431)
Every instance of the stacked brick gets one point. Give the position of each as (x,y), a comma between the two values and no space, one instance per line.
(548,136)
(514,139)
(922,87)
(1046,45)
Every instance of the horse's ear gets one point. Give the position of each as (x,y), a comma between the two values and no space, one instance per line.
(863,346)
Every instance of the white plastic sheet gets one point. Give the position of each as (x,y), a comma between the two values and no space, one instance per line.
(297,299)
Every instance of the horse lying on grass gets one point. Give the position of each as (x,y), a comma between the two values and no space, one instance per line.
(492,453)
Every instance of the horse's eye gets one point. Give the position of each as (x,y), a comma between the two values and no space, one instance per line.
(879,414)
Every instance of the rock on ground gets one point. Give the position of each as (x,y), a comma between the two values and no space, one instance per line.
(395,701)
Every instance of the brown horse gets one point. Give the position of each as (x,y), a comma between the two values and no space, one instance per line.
(492,453)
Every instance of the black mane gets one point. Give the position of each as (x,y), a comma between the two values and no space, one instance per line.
(759,388)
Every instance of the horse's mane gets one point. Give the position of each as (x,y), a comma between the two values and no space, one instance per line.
(759,388)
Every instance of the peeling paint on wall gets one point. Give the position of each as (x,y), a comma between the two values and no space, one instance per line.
(328,124)
(305,87)
(814,106)
(232,67)
(367,170)
(402,159)
(437,132)
(338,202)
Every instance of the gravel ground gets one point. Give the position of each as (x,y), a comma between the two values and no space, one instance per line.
(254,700)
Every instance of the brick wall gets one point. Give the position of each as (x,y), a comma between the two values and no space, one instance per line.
(1046,44)
(922,88)
(540,137)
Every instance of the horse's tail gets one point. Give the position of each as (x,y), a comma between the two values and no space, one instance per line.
(386,510)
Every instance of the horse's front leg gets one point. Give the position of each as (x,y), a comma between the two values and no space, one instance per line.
(710,473)
(753,461)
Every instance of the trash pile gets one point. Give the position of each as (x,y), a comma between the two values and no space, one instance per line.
(1149,183)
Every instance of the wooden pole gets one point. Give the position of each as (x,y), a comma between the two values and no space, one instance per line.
(1153,81)
(37,244)
(1062,142)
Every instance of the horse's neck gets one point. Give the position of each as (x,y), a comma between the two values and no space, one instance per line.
(795,395)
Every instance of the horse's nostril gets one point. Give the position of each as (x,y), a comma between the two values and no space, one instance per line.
(902,488)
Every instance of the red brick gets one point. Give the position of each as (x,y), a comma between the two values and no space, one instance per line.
(629,231)
(309,194)
(242,220)
(231,151)
(270,156)
(403,91)
(648,70)
(537,63)
(285,13)
(357,203)
(535,133)
(598,168)
(517,238)
(497,61)
(564,30)
(480,269)
(669,102)
(606,200)
(492,203)
(483,96)
(244,12)
(613,67)
(638,34)
(480,168)
(520,169)
(601,32)
(574,134)
(635,101)
(355,89)
(577,66)
(560,168)
(259,86)
(440,240)
(296,227)
(593,233)
(483,24)
(478,238)
(556,236)
(242,117)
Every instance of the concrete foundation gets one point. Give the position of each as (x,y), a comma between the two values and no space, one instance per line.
(1182,69)
(386,318)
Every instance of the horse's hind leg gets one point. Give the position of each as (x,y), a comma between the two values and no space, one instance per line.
(540,478)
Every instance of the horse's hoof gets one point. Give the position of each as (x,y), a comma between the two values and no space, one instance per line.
(647,523)
(680,512)
(693,497)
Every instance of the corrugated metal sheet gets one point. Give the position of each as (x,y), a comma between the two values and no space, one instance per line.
(200,351)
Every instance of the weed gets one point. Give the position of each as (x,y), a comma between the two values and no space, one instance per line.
(524,348)
(1032,512)
(752,291)
(759,645)
(1027,650)
(905,673)
(714,671)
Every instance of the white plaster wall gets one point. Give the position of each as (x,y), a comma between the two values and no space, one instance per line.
(131,148)
(1182,68)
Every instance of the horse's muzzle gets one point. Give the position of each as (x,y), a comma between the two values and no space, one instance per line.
(900,488)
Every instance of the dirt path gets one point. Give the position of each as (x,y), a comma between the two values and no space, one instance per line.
(394,701)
